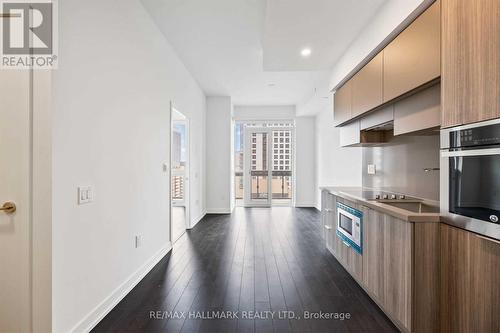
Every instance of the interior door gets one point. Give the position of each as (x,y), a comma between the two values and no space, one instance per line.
(257,159)
(15,188)
(179,174)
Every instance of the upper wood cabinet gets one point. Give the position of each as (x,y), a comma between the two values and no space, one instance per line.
(418,112)
(471,61)
(367,86)
(342,104)
(409,62)
(413,57)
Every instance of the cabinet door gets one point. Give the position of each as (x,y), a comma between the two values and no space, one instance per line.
(350,134)
(470,292)
(397,270)
(352,260)
(329,213)
(471,61)
(373,253)
(418,112)
(367,87)
(342,104)
(413,58)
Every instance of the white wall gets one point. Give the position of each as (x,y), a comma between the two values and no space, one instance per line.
(243,112)
(335,166)
(219,156)
(305,157)
(111,94)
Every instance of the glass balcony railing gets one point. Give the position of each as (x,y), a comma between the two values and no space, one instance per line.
(281,185)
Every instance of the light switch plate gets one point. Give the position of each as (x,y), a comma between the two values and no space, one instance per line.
(372,169)
(85,194)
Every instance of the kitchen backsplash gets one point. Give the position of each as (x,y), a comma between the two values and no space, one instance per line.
(400,166)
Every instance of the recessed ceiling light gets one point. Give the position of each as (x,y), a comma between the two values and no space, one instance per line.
(305,52)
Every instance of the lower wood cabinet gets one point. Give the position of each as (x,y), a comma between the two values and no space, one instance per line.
(399,267)
(470,282)
(350,259)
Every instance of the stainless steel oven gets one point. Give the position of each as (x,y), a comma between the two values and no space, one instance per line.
(470,177)
(350,226)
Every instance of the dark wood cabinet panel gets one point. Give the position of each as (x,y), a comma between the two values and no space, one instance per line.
(413,57)
(470,292)
(471,61)
(342,104)
(367,87)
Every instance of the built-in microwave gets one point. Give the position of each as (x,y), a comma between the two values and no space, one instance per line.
(350,226)
(470,177)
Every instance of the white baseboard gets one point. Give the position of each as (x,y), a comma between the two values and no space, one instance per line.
(101,310)
(198,219)
(218,211)
(305,204)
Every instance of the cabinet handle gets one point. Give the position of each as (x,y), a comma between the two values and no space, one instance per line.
(328,210)
(346,244)
(489,239)
(327,227)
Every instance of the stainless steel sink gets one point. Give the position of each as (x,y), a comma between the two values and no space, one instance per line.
(415,207)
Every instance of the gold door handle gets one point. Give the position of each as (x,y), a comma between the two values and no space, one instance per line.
(8,207)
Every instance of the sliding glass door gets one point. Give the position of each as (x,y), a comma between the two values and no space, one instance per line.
(264,164)
(257,172)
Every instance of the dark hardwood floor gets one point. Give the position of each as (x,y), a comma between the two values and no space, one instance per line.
(260,259)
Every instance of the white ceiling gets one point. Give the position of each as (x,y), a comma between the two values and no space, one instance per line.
(250,49)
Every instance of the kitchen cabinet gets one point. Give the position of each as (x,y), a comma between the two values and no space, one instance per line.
(470,292)
(373,253)
(413,58)
(328,217)
(409,63)
(345,254)
(418,112)
(366,89)
(378,118)
(350,134)
(471,61)
(342,103)
(399,267)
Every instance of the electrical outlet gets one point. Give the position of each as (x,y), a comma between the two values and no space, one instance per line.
(372,169)
(138,241)
(85,194)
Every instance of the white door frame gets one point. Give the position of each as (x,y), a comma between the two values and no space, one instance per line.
(186,201)
(247,179)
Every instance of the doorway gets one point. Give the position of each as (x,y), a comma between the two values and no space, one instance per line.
(264,164)
(179,175)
